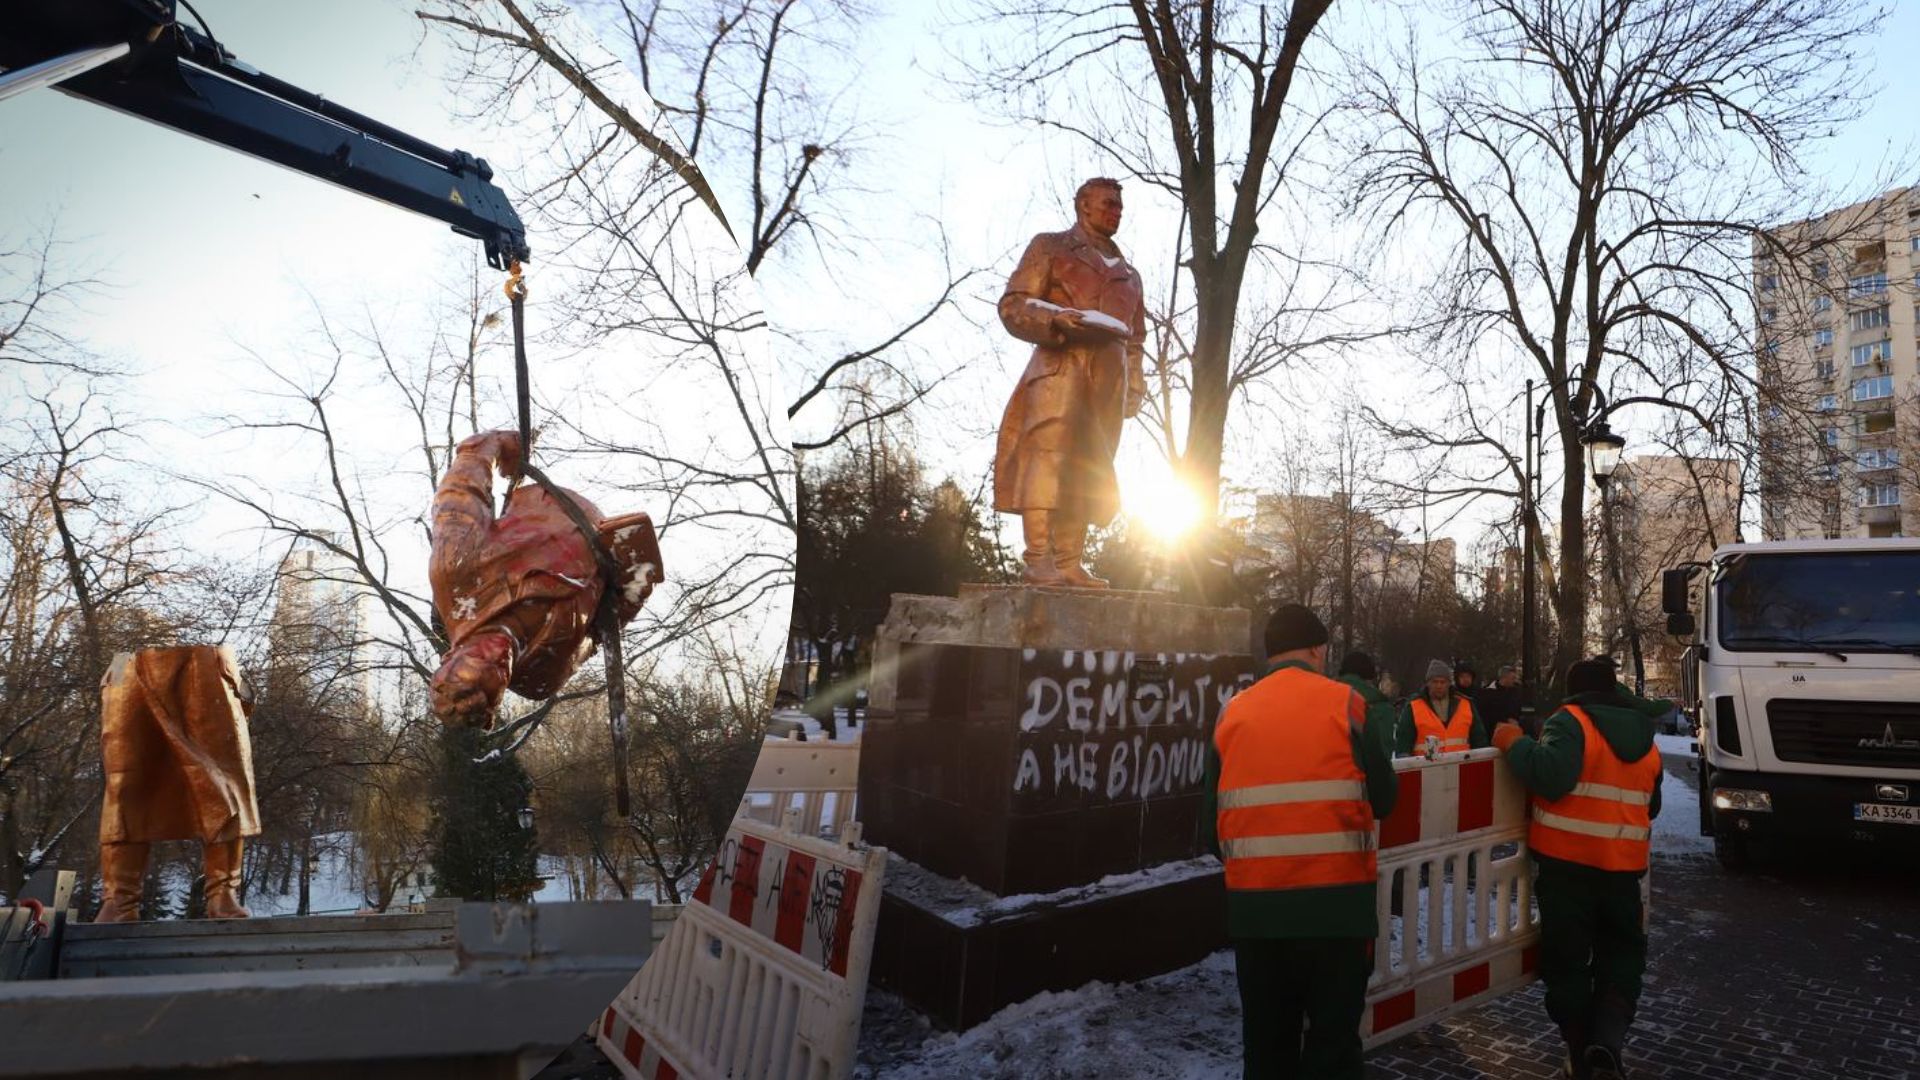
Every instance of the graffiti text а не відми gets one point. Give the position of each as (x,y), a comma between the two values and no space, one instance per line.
(1103,729)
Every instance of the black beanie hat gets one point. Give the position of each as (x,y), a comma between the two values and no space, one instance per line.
(1589,677)
(1294,627)
(1359,663)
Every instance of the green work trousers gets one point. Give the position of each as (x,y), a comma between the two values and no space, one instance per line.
(1301,1000)
(1593,943)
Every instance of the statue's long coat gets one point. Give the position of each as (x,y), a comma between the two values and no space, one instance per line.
(174,747)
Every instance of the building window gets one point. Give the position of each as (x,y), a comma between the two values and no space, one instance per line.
(1867,284)
(1871,352)
(1822,338)
(1914,244)
(1832,435)
(1879,494)
(1829,402)
(1767,315)
(1879,457)
(1880,386)
(1823,369)
(1769,282)
(1869,319)
(1825,472)
(1820,270)
(1875,423)
(1822,303)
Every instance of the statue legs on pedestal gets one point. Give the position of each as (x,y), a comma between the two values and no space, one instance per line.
(221,862)
(122,869)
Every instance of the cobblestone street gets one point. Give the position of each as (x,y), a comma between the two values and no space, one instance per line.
(1797,969)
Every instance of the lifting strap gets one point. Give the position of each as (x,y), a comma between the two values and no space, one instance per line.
(606,617)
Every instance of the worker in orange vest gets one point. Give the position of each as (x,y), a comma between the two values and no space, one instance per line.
(1438,712)
(1595,778)
(1295,785)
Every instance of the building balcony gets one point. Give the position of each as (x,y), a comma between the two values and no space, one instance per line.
(1880,515)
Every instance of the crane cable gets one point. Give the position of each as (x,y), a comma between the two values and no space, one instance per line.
(606,616)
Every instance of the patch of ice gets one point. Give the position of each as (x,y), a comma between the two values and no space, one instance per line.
(465,607)
(1104,321)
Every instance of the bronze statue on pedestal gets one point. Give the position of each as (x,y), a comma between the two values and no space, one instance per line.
(1075,297)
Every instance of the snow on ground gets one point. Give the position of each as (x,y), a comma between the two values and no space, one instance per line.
(1677,830)
(333,890)
(1184,1025)
(963,903)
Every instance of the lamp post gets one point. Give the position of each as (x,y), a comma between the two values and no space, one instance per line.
(1603,451)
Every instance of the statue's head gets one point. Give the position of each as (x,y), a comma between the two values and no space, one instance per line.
(472,679)
(1097,206)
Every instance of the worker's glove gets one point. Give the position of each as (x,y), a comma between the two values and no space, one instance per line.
(1505,733)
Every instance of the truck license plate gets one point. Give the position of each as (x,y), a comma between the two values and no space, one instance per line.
(1888,812)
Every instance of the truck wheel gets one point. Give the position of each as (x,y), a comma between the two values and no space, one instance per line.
(1733,852)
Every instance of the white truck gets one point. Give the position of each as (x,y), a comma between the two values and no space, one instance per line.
(1803,669)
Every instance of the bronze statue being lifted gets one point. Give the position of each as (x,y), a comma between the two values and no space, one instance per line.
(1075,297)
(517,591)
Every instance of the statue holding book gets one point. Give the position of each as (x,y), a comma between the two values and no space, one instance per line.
(1078,301)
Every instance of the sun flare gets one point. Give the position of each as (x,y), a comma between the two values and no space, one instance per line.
(1165,505)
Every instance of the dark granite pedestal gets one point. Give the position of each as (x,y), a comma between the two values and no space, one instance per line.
(1036,741)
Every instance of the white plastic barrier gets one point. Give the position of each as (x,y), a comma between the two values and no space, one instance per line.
(1453,864)
(817,778)
(764,973)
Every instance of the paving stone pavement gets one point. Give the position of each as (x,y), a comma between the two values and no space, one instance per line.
(1808,967)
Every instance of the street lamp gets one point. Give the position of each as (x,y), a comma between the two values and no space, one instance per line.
(1603,453)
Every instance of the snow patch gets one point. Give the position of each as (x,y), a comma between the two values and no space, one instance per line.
(965,904)
(1184,1025)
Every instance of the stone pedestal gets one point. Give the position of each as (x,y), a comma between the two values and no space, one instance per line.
(1038,741)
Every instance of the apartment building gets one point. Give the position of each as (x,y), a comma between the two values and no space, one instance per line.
(1837,300)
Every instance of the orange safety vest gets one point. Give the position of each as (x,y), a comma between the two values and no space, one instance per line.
(1603,822)
(1292,810)
(1452,736)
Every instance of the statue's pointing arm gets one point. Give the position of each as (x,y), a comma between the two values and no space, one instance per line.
(1024,310)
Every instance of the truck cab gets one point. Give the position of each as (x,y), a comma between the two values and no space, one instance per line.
(1803,667)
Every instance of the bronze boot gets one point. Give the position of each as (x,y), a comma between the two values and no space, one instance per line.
(122,869)
(222,863)
(1070,548)
(1036,526)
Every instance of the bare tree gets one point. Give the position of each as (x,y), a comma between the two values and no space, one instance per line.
(1608,171)
(83,571)
(39,295)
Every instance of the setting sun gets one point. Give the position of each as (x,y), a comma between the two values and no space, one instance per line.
(1164,504)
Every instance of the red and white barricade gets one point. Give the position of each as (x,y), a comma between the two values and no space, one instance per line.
(817,778)
(1457,922)
(764,973)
